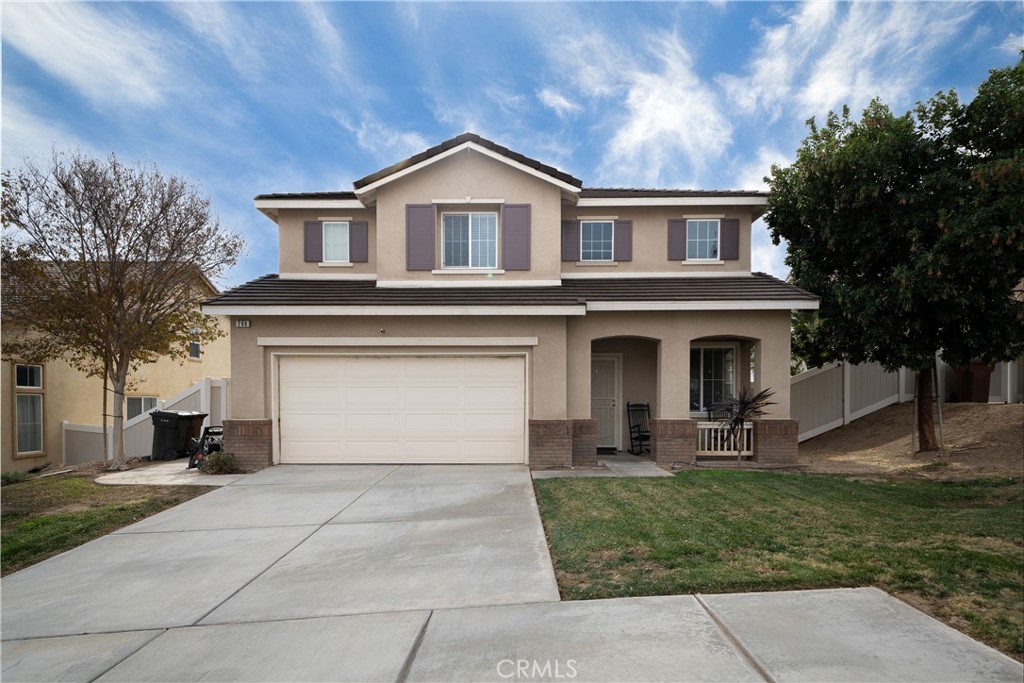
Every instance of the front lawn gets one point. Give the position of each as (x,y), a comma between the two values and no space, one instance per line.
(954,549)
(45,516)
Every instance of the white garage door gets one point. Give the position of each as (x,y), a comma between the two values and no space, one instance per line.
(402,409)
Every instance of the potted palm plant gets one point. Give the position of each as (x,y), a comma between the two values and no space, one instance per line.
(740,409)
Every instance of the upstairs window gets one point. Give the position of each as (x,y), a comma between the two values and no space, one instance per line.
(336,242)
(596,240)
(195,348)
(702,240)
(470,240)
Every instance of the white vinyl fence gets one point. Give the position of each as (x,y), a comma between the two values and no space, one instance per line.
(838,393)
(84,443)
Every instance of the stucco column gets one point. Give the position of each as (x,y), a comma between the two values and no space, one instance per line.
(577,372)
(673,377)
(773,370)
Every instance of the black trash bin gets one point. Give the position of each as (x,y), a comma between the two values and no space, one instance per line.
(172,430)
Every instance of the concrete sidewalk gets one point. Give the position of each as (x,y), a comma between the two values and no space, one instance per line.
(301,573)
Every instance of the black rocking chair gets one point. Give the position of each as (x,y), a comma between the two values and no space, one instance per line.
(639,415)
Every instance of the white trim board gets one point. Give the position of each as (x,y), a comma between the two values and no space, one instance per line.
(253,310)
(639,275)
(739,305)
(716,200)
(471,146)
(262,204)
(327,276)
(397,341)
(447,284)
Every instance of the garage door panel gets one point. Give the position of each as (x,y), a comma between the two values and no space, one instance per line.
(395,409)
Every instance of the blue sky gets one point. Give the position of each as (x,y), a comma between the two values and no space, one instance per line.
(245,98)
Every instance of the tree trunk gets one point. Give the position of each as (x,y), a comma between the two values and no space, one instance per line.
(925,411)
(118,460)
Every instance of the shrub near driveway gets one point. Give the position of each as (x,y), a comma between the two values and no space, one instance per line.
(951,548)
(48,515)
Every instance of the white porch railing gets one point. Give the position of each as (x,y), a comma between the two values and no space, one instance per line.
(715,439)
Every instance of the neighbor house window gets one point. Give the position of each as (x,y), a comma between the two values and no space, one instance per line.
(195,348)
(470,240)
(596,240)
(28,408)
(702,239)
(137,405)
(336,242)
(712,376)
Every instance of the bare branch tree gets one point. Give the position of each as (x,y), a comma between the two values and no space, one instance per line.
(106,265)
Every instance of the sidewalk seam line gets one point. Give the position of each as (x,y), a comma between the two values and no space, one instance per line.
(287,552)
(734,641)
(414,650)
(128,656)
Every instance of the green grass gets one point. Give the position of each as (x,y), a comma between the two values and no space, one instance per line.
(46,516)
(954,549)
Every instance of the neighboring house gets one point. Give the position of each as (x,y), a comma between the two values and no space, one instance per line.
(37,398)
(473,305)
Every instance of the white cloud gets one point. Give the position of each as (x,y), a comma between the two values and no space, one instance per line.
(508,101)
(557,102)
(26,134)
(108,56)
(1013,44)
(222,25)
(752,174)
(672,122)
(826,54)
(766,257)
(384,143)
(327,36)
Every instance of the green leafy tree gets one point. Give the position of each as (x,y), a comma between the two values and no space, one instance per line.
(911,230)
(105,266)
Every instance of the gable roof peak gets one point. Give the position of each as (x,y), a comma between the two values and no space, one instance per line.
(447,146)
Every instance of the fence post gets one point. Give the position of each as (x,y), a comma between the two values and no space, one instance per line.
(204,400)
(63,443)
(846,393)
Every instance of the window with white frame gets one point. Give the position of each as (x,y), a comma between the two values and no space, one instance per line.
(28,408)
(470,240)
(712,376)
(195,348)
(336,242)
(137,405)
(702,239)
(596,240)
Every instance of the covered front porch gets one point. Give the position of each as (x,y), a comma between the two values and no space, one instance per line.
(690,364)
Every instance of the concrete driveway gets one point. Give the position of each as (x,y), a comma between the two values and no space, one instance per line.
(421,573)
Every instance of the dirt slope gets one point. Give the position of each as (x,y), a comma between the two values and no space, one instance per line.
(981,440)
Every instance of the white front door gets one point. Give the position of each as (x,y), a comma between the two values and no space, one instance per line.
(604,399)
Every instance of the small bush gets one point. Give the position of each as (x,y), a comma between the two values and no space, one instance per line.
(14,477)
(219,462)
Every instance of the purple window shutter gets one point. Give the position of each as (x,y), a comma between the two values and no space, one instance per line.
(676,240)
(358,242)
(420,221)
(313,241)
(515,237)
(729,239)
(570,241)
(623,248)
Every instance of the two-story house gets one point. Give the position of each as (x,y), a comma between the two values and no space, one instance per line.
(472,305)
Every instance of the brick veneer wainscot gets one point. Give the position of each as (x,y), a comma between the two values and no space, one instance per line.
(250,442)
(776,442)
(550,444)
(584,443)
(673,441)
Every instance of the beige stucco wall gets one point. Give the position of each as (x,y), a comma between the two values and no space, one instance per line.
(470,174)
(251,388)
(291,242)
(675,331)
(72,396)
(650,239)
